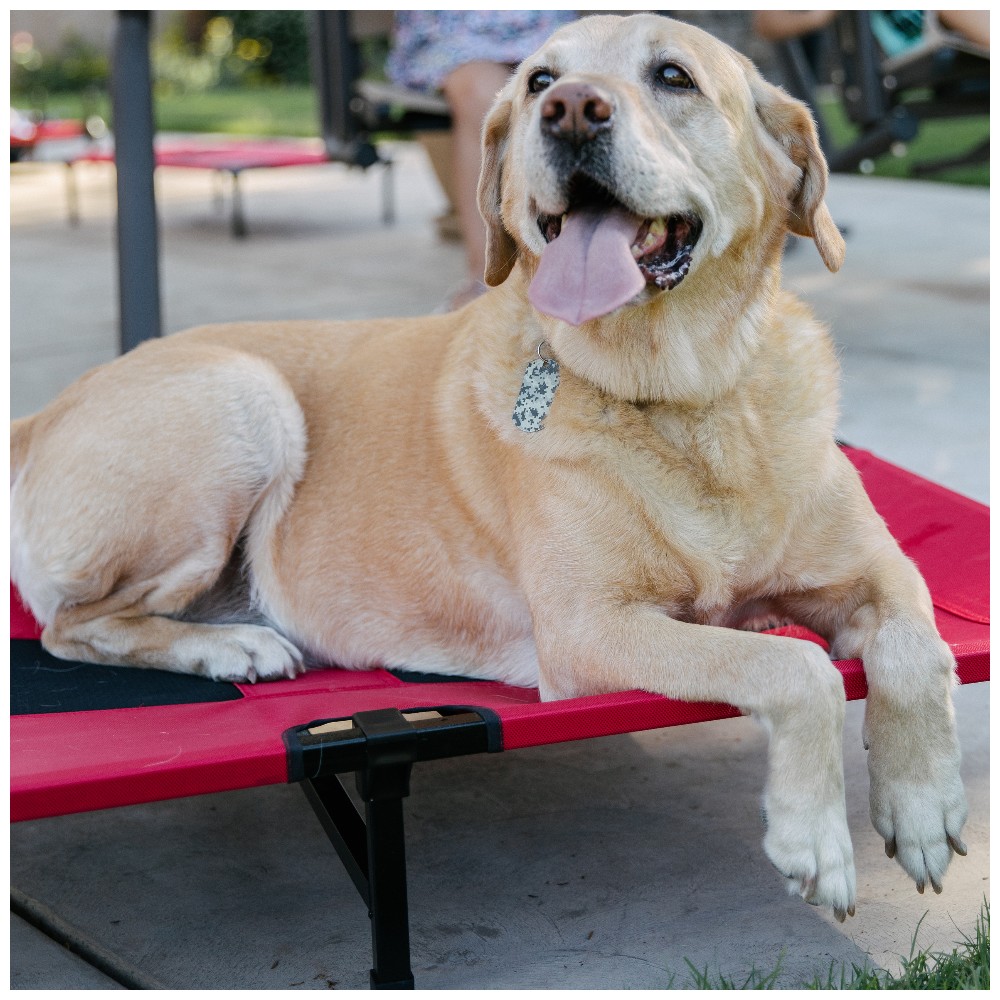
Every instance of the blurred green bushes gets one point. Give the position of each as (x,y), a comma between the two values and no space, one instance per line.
(76,65)
(201,50)
(192,51)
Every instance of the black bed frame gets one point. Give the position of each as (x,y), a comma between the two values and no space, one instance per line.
(380,748)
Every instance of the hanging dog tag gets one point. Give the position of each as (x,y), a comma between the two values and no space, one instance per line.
(538,389)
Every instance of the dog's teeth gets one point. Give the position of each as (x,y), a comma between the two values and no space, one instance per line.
(654,237)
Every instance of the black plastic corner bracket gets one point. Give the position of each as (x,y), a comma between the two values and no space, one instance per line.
(380,747)
(367,739)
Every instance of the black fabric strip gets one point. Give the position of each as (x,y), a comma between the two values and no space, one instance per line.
(418,677)
(40,684)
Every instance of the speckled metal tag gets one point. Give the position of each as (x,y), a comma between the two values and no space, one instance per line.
(538,389)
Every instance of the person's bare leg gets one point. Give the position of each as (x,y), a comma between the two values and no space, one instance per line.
(470,91)
(972,24)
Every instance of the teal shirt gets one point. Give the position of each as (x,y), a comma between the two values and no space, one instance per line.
(897,30)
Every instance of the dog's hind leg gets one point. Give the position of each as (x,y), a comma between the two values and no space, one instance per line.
(136,486)
(142,633)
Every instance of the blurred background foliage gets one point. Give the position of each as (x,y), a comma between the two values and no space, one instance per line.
(192,51)
(200,50)
(77,65)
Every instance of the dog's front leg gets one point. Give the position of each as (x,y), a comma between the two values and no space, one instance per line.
(917,799)
(789,685)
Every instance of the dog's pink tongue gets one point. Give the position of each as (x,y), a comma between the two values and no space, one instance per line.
(588,269)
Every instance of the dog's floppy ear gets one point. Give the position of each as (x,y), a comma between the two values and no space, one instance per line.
(501,251)
(789,122)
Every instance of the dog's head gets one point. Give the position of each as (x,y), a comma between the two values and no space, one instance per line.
(629,152)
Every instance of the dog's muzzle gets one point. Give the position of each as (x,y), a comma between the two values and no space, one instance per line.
(600,254)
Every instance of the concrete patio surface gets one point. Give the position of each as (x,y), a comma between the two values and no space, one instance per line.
(610,863)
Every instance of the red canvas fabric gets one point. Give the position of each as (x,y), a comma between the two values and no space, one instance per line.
(232,155)
(947,534)
(73,762)
(22,622)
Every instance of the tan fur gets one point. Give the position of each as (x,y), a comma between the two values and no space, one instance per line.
(686,482)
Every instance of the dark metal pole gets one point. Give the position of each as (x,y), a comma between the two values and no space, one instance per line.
(138,249)
(334,68)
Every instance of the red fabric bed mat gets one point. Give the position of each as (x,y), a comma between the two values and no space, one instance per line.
(74,762)
(232,155)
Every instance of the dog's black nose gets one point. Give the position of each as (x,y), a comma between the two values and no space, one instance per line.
(576,112)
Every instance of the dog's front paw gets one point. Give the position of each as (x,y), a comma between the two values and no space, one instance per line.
(920,820)
(918,803)
(916,795)
(812,849)
(922,828)
(241,653)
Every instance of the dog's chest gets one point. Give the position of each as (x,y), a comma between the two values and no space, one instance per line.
(710,516)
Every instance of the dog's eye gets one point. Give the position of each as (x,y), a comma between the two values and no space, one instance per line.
(671,75)
(540,80)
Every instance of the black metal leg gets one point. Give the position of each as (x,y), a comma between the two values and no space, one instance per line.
(373,850)
(343,825)
(380,747)
(388,194)
(387,901)
(239,222)
(72,195)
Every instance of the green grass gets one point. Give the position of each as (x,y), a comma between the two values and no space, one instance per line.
(270,111)
(263,111)
(965,967)
(937,139)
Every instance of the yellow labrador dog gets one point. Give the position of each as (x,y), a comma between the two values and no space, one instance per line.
(609,472)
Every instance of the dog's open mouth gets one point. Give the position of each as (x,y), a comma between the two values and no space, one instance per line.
(599,255)
(661,248)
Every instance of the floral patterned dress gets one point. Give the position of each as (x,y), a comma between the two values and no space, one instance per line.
(429,44)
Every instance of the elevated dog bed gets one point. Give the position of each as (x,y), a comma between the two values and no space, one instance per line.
(89,737)
(227,156)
